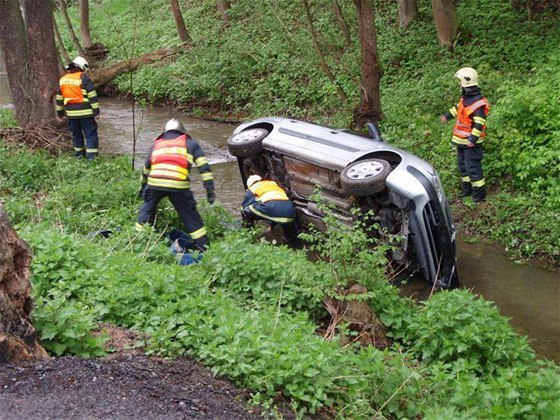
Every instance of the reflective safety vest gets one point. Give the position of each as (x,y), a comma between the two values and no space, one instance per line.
(71,88)
(463,126)
(169,163)
(74,99)
(268,191)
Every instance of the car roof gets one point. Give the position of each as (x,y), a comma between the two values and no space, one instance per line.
(322,145)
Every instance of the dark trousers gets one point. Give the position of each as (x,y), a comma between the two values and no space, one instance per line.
(469,162)
(289,229)
(184,203)
(80,128)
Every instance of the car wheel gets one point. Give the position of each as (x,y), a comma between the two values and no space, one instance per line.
(247,142)
(365,177)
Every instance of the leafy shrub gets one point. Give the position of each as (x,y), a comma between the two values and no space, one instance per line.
(65,326)
(528,134)
(514,392)
(267,274)
(23,169)
(457,326)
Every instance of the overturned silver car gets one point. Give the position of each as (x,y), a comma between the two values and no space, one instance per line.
(353,170)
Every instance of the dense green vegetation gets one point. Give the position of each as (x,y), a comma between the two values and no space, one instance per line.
(265,63)
(250,310)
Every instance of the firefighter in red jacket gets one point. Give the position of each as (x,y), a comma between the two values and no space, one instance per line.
(77,100)
(469,133)
(166,174)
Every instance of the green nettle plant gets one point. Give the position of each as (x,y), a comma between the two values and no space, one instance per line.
(456,326)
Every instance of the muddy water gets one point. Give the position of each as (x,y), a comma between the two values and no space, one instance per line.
(530,296)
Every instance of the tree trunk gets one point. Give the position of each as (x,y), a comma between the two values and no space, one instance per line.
(446,21)
(322,60)
(18,339)
(61,47)
(342,23)
(42,58)
(14,48)
(223,7)
(370,109)
(75,41)
(30,58)
(179,21)
(408,11)
(84,23)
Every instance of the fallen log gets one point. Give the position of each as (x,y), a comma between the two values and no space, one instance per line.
(163,56)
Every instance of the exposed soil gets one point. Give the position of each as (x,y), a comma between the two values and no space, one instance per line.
(123,385)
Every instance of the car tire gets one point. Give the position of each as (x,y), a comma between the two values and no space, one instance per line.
(247,143)
(365,177)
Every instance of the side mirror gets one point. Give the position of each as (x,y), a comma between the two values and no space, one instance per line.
(374,131)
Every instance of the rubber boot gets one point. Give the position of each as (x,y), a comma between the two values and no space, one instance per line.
(478,194)
(466,189)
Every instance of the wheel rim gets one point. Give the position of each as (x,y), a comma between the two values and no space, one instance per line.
(247,136)
(365,170)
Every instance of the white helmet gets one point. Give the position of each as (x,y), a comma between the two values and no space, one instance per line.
(81,63)
(176,125)
(252,179)
(468,76)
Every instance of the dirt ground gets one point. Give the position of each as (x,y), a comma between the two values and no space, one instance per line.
(126,384)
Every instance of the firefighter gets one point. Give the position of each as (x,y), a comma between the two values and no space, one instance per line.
(77,100)
(166,174)
(266,200)
(469,133)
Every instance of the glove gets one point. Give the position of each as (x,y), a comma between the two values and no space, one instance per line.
(141,191)
(210,196)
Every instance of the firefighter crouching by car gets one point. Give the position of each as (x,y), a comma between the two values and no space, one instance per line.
(77,100)
(469,133)
(266,200)
(166,174)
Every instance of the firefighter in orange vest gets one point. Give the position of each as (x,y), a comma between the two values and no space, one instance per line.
(469,133)
(77,100)
(266,200)
(166,174)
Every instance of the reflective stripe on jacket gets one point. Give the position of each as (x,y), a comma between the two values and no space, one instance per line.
(169,163)
(77,96)
(268,191)
(464,124)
